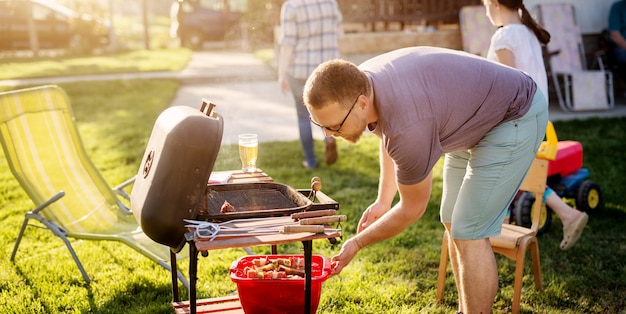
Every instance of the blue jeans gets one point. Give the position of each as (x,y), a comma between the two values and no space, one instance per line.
(304,125)
(619,57)
(619,54)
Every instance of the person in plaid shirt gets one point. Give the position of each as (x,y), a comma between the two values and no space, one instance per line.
(309,33)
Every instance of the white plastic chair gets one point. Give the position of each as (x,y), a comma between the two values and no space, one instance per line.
(577,87)
(476,29)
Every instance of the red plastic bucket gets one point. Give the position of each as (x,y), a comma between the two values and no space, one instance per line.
(277,295)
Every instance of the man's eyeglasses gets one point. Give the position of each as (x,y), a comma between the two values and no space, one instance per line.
(342,122)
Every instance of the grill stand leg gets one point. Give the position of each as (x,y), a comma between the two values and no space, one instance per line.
(308,256)
(193,275)
(174,277)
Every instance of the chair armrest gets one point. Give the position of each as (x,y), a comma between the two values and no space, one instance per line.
(119,189)
(599,56)
(550,54)
(547,55)
(51,200)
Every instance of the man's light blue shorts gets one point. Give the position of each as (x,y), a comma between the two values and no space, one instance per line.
(479,183)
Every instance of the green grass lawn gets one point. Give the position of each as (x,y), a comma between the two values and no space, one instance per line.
(123,62)
(396,276)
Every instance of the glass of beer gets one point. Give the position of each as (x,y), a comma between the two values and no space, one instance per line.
(248,151)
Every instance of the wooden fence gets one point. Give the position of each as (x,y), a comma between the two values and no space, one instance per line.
(403,12)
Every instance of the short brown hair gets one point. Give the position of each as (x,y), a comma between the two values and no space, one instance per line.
(335,81)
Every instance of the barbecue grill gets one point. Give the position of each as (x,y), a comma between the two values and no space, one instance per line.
(171,189)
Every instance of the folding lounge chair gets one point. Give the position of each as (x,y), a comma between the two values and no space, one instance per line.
(45,153)
(476,29)
(577,87)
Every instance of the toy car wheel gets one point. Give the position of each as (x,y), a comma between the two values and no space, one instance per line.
(546,219)
(522,213)
(589,197)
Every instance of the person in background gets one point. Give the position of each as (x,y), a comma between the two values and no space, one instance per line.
(517,43)
(178,9)
(310,31)
(489,126)
(617,37)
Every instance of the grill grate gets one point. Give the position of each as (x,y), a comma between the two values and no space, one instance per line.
(252,200)
(249,200)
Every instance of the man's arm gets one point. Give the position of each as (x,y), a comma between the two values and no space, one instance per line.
(618,39)
(615,24)
(285,55)
(413,201)
(505,56)
(387,189)
(288,28)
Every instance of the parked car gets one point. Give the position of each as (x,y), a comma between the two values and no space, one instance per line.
(57,26)
(195,22)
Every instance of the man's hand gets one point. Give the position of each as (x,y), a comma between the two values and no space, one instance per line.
(284,84)
(347,253)
(371,214)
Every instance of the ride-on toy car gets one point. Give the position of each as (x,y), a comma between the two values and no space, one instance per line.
(566,177)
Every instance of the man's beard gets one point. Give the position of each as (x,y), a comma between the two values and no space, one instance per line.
(353,138)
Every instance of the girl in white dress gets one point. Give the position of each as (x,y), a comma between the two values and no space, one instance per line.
(517,43)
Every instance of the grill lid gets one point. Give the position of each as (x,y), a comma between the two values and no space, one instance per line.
(171,182)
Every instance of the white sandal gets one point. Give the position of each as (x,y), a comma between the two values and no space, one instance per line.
(572,233)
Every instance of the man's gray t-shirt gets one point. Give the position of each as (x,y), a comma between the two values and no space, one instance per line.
(434,100)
